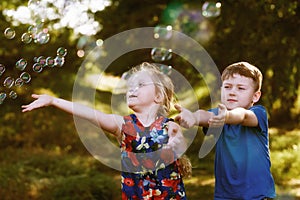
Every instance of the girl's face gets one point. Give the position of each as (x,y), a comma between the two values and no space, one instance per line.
(141,91)
(238,91)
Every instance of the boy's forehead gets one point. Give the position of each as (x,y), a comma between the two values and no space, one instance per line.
(237,78)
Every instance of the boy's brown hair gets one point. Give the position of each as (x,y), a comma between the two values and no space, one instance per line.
(244,69)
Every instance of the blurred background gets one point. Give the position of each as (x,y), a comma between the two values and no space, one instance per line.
(45,42)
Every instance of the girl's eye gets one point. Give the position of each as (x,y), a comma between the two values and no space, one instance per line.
(240,88)
(141,84)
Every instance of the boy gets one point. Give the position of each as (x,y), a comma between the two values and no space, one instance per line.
(242,160)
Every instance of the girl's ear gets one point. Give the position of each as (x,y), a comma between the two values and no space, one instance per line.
(256,96)
(159,98)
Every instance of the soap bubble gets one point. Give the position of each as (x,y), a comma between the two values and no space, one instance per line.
(19,82)
(165,69)
(41,60)
(2,69)
(13,95)
(161,54)
(61,51)
(37,67)
(8,82)
(9,33)
(25,77)
(26,38)
(21,64)
(163,32)
(59,61)
(211,9)
(50,62)
(2,97)
(42,38)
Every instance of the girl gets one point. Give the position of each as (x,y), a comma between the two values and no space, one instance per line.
(150,143)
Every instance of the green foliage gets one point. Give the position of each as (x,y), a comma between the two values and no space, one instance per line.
(38,174)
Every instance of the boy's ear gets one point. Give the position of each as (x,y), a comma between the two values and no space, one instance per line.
(256,96)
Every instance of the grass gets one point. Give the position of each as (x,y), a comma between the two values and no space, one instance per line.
(53,173)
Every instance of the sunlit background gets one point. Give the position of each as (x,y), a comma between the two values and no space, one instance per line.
(45,42)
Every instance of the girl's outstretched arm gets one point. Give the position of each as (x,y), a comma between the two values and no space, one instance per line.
(109,122)
(188,119)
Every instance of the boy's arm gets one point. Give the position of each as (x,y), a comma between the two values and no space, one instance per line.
(235,116)
(187,119)
(109,122)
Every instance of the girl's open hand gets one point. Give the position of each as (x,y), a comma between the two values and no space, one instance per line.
(40,101)
(185,118)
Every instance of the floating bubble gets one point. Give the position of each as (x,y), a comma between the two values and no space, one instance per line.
(50,62)
(25,77)
(37,67)
(9,33)
(2,69)
(211,9)
(59,61)
(33,3)
(163,32)
(42,38)
(19,82)
(12,95)
(26,38)
(21,64)
(41,60)
(161,54)
(8,82)
(61,51)
(165,69)
(2,97)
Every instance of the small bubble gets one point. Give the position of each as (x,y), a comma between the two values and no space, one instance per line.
(2,97)
(21,64)
(163,32)
(19,82)
(8,82)
(25,77)
(61,51)
(37,67)
(42,38)
(41,60)
(13,95)
(211,9)
(26,38)
(165,69)
(9,33)
(161,54)
(50,62)
(59,61)
(2,69)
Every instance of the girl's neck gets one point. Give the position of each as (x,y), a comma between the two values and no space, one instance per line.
(146,118)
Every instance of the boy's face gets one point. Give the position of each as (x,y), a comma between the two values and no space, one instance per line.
(238,91)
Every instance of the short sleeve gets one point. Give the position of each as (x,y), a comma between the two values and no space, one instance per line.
(262,117)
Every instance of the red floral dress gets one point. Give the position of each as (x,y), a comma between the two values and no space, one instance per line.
(149,171)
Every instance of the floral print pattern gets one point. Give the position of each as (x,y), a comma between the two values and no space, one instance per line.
(150,171)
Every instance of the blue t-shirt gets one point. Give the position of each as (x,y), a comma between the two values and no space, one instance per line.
(242,161)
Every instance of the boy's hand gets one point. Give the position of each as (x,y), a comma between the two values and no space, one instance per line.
(41,101)
(219,120)
(185,118)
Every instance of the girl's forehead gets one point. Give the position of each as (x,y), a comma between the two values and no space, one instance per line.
(140,76)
